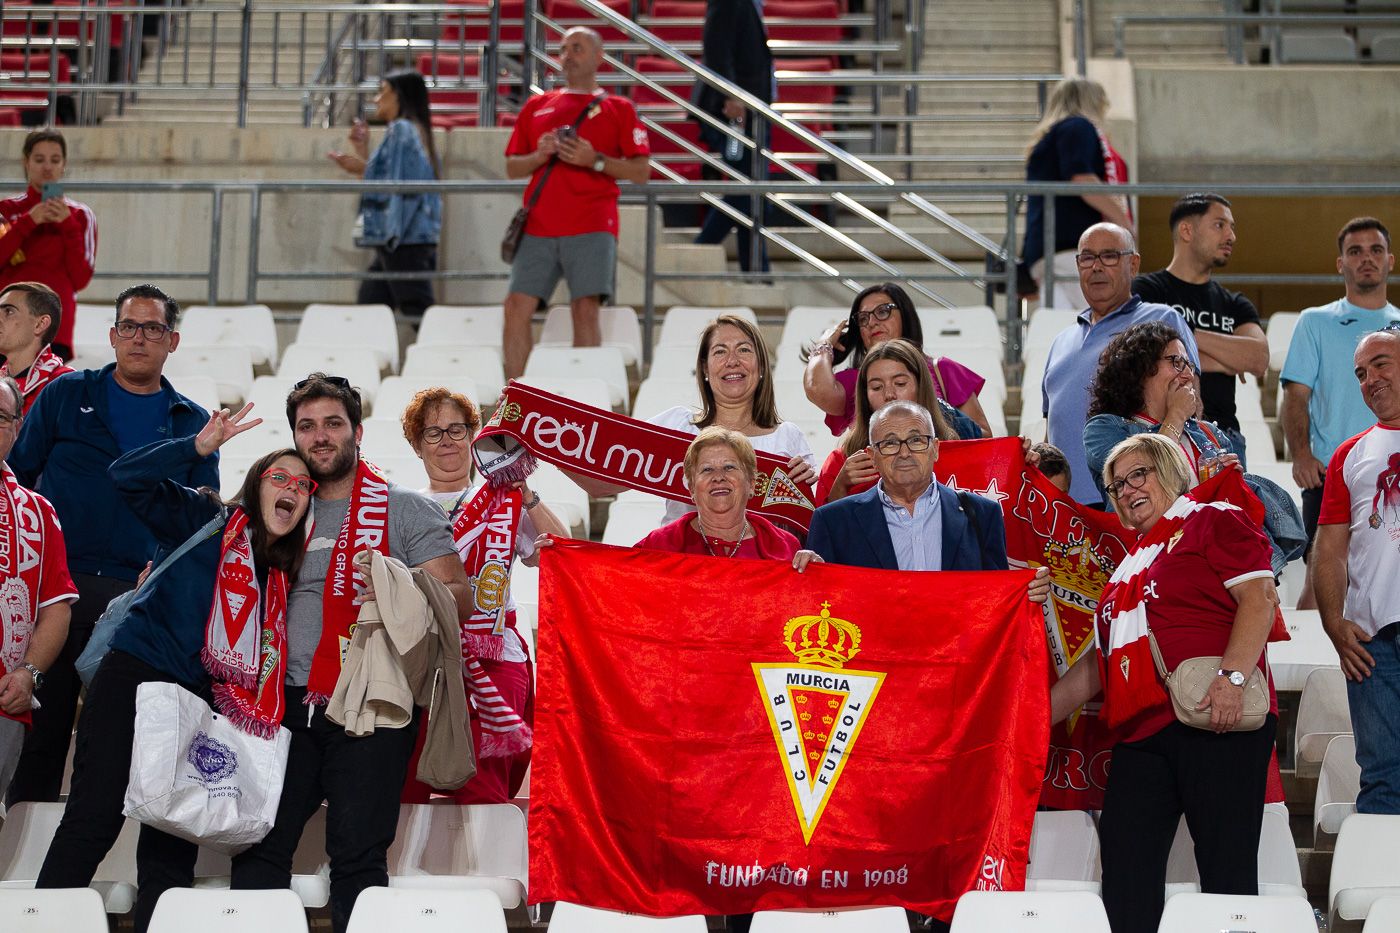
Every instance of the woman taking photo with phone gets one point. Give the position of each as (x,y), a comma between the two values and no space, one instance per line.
(46,237)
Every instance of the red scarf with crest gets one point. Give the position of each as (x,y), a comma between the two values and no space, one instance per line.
(245,640)
(47,367)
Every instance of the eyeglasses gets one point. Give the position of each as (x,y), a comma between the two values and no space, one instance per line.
(1135,479)
(1179,363)
(284,480)
(877,313)
(457,431)
(1109,257)
(916,444)
(153,330)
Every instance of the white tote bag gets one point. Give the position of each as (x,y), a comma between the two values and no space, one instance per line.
(194,775)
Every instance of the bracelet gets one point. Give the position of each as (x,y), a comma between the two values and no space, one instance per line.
(533,502)
(823,349)
(1175,431)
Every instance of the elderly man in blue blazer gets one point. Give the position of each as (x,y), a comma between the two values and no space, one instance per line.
(909,520)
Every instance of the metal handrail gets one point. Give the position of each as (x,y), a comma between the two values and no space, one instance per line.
(1122,20)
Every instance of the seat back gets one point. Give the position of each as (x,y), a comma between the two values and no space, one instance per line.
(53,910)
(378,910)
(220,910)
(1030,911)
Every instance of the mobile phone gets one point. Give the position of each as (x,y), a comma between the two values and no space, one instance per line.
(51,189)
(566,132)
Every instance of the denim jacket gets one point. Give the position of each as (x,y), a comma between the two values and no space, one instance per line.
(394,220)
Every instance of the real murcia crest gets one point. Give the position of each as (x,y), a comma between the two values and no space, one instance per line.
(781,490)
(816,708)
(489,588)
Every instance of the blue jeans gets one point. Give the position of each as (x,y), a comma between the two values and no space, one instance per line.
(1375,718)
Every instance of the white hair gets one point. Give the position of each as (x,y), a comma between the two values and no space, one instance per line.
(901,407)
(1125,236)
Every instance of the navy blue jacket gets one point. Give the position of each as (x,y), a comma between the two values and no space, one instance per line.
(165,627)
(852,531)
(66,447)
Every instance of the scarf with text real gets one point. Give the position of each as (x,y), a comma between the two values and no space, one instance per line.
(47,367)
(532,423)
(1130,679)
(22,543)
(366,525)
(484,530)
(768,743)
(245,640)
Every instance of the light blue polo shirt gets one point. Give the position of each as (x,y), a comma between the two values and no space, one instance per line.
(1070,371)
(1321,356)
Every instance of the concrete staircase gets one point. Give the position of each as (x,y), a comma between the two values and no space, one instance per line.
(1184,44)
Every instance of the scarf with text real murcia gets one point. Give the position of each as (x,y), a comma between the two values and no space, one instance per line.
(484,530)
(20,523)
(245,640)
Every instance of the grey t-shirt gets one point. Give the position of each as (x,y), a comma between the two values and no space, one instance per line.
(418,533)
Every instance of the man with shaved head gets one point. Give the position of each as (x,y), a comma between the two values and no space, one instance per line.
(1356,571)
(1107,260)
(574,143)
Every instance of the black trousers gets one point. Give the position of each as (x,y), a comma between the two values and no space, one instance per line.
(39,775)
(93,819)
(409,297)
(1216,781)
(360,779)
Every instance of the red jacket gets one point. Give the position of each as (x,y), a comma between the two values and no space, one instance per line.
(60,256)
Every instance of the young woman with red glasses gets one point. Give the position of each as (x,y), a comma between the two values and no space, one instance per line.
(235,579)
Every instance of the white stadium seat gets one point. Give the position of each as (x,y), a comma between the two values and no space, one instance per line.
(683,324)
(1279,331)
(396,392)
(1064,852)
(230,367)
(372,327)
(1363,867)
(232,470)
(1045,324)
(629,522)
(1323,714)
(358,364)
(53,910)
(805,324)
(311,870)
(480,364)
(676,364)
(407,472)
(659,393)
(455,846)
(92,325)
(250,326)
(462,325)
(1308,649)
(219,910)
(585,391)
(605,363)
(845,920)
(1338,784)
(1030,912)
(24,841)
(565,497)
(573,918)
(202,390)
(383,440)
(1193,913)
(617,322)
(1279,872)
(977,324)
(1384,915)
(379,910)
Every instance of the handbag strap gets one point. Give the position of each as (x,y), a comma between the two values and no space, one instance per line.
(1156,655)
(208,531)
(535,195)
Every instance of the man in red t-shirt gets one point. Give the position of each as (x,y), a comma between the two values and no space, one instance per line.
(590,139)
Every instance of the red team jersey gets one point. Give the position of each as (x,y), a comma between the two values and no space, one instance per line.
(577,200)
(59,255)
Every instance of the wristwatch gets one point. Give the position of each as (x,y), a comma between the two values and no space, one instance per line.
(1236,678)
(600,163)
(35,673)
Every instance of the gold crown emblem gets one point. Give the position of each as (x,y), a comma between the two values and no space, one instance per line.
(511,411)
(489,588)
(822,639)
(1078,567)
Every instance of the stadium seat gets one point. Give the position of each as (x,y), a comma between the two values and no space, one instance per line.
(462,325)
(53,910)
(1045,325)
(846,920)
(619,326)
(24,841)
(587,391)
(1192,913)
(573,918)
(525,584)
(1385,48)
(360,365)
(1363,867)
(1316,46)
(478,28)
(1279,332)
(819,436)
(805,324)
(630,522)
(407,472)
(231,368)
(1308,649)
(1323,714)
(405,911)
(1384,915)
(562,11)
(820,21)
(396,392)
(603,363)
(565,497)
(1258,442)
(455,846)
(1030,912)
(662,10)
(219,910)
(1338,784)
(683,324)
(383,440)
(232,469)
(451,105)
(673,363)
(251,326)
(92,328)
(370,326)
(976,324)
(1064,852)
(1279,872)
(202,390)
(982,358)
(481,364)
(311,871)
(659,393)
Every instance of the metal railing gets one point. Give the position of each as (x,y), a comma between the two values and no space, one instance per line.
(1237,21)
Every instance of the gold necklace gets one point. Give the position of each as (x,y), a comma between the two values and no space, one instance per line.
(705,537)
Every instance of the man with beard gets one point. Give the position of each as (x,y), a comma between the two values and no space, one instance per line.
(1322,405)
(1225,324)
(360,779)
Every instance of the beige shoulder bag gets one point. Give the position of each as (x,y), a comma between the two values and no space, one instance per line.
(1187,686)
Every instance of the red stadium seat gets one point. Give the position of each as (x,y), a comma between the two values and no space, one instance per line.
(677,9)
(653,65)
(451,108)
(821,20)
(478,28)
(652,104)
(568,10)
(30,67)
(9,116)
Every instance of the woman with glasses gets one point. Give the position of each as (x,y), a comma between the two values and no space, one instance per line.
(1145,383)
(879,313)
(441,425)
(1199,579)
(247,551)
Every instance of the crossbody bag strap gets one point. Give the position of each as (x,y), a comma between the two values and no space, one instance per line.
(1156,655)
(535,195)
(208,531)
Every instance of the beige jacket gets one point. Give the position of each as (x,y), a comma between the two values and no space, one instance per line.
(406,651)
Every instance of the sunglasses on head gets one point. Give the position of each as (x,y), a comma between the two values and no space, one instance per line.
(340,382)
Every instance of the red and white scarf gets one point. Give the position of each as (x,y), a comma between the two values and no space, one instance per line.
(1131,684)
(47,367)
(22,542)
(245,640)
(366,525)
(484,531)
